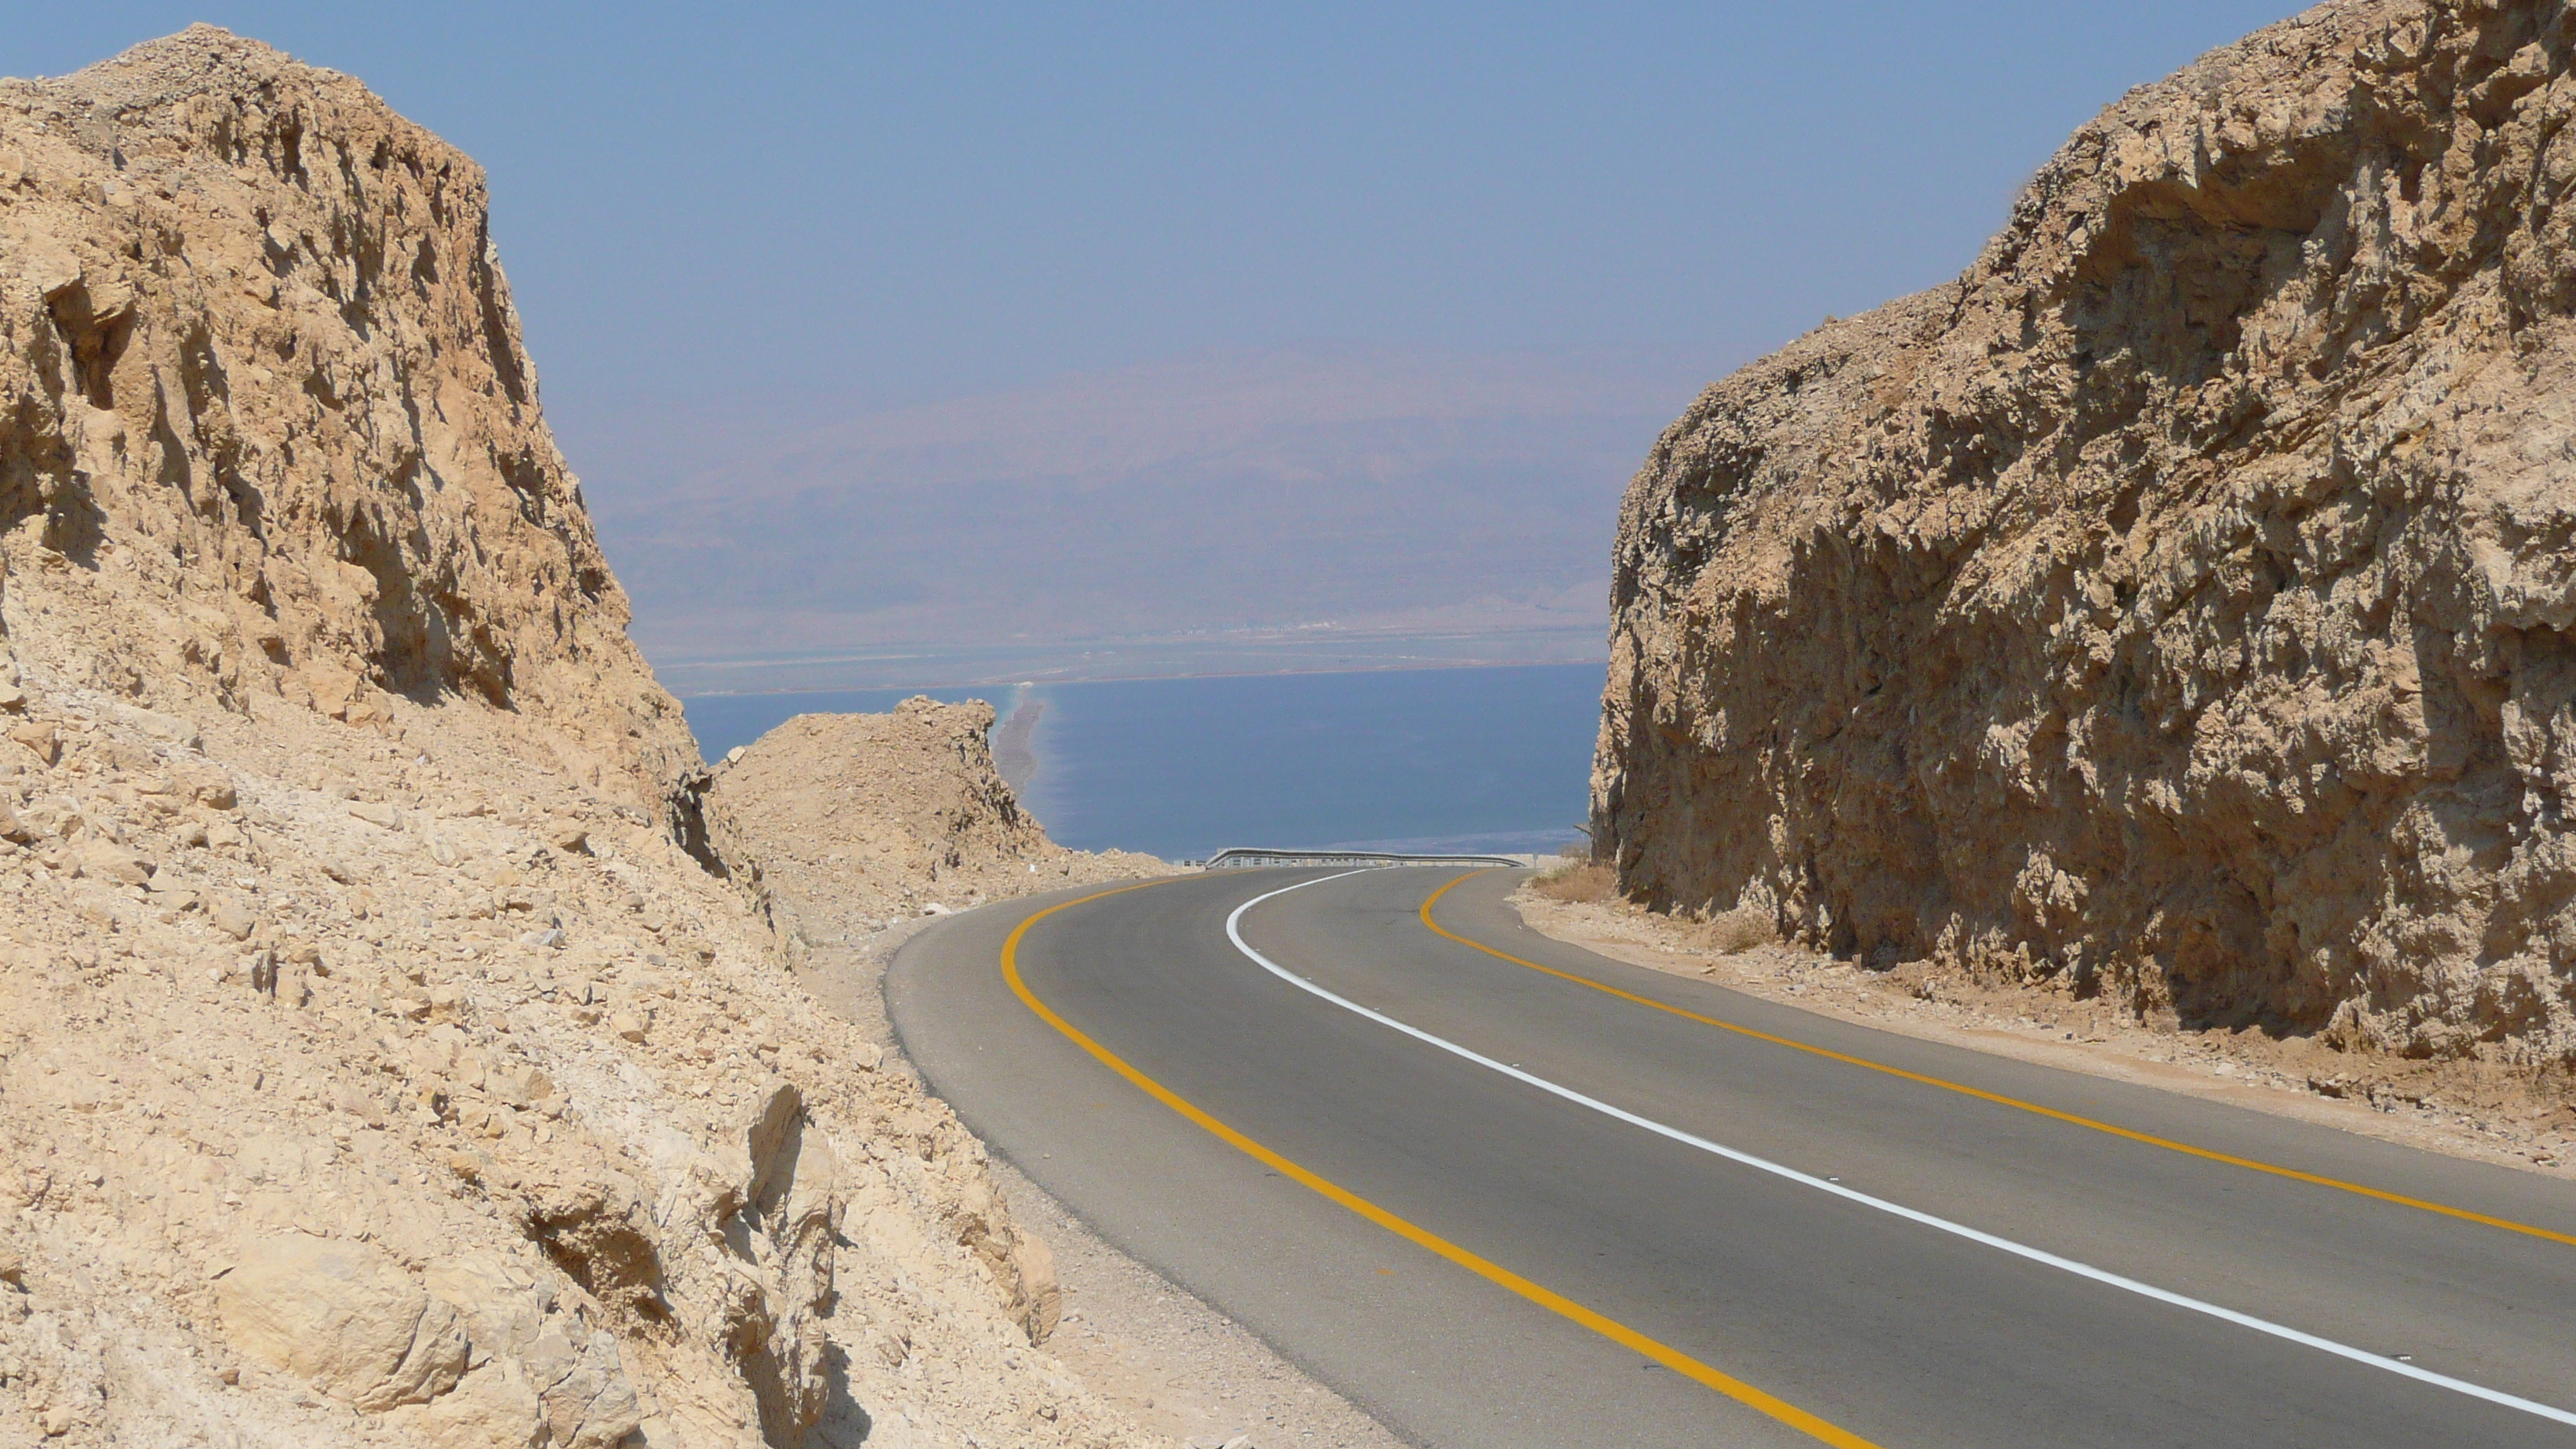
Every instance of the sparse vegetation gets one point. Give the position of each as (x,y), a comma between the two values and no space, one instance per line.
(1587,881)
(1741,930)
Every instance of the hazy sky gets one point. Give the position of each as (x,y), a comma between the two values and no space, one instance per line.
(900,203)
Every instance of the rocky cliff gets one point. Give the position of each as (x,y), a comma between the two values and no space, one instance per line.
(380,1058)
(859,822)
(269,418)
(2176,606)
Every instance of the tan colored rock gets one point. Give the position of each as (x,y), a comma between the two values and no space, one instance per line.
(850,817)
(1040,1293)
(376,813)
(233,919)
(343,1316)
(294,570)
(2177,605)
(235,347)
(39,739)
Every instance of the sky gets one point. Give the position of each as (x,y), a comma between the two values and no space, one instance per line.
(903,334)
(900,203)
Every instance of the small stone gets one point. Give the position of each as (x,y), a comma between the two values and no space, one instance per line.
(627,1025)
(376,813)
(104,859)
(40,739)
(233,919)
(446,1003)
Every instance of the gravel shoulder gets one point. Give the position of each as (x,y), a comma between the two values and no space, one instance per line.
(1169,1361)
(2475,1110)
(1155,1352)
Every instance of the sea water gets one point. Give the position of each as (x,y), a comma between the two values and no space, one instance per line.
(1482,759)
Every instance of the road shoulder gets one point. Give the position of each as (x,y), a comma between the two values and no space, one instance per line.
(2479,1111)
(1164,1358)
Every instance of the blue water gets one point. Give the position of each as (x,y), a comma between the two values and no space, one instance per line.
(1432,759)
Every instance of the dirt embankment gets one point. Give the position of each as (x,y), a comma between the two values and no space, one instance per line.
(2173,611)
(383,1057)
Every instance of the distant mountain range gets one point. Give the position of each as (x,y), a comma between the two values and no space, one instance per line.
(1245,496)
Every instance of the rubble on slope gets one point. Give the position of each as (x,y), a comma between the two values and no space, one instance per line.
(863,821)
(385,1057)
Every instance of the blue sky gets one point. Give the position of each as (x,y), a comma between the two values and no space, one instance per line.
(902,203)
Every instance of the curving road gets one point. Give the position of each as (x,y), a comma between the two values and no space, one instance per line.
(1501,1191)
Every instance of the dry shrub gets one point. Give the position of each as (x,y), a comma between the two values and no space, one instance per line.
(1741,930)
(1590,881)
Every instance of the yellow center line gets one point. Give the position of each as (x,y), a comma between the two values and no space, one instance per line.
(1609,1328)
(2149,1138)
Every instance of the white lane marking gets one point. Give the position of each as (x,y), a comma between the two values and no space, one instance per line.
(1234,933)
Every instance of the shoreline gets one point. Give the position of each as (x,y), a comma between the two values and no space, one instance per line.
(998,683)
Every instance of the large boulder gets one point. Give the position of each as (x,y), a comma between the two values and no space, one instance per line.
(343,1315)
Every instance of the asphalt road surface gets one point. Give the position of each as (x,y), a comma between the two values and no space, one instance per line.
(1497,1204)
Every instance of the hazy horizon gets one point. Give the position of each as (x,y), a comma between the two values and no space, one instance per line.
(1028,336)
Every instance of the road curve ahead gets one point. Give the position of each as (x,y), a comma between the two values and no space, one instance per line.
(1501,1191)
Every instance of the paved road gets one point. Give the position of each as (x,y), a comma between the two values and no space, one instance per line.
(1447,1222)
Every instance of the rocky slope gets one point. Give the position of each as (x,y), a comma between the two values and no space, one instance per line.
(864,820)
(859,822)
(383,1057)
(2175,606)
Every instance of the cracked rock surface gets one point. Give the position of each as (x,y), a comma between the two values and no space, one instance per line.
(2174,608)
(387,1053)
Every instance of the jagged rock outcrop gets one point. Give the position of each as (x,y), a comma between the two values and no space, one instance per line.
(380,1060)
(261,370)
(856,821)
(2177,605)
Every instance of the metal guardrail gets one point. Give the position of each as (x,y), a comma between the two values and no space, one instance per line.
(1240,857)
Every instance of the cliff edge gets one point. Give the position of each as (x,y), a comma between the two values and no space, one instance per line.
(2175,607)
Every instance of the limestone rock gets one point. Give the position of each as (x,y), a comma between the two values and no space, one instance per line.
(853,816)
(2176,606)
(259,323)
(350,1049)
(1041,1296)
(345,1317)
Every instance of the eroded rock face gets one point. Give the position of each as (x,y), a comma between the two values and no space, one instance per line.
(377,1064)
(260,368)
(852,822)
(2177,604)
(344,1317)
